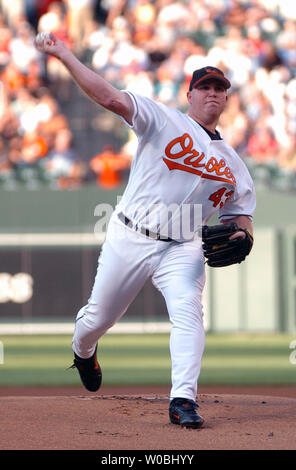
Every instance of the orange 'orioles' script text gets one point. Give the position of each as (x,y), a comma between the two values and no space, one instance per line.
(196,162)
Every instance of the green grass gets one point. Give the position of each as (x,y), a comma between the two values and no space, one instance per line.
(238,359)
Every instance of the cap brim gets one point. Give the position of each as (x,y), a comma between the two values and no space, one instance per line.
(216,76)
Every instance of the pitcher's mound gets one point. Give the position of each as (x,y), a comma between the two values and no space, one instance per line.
(131,422)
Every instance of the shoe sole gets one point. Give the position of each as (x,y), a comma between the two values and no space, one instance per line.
(188,425)
(92,389)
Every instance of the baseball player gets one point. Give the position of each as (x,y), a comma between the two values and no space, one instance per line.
(181,160)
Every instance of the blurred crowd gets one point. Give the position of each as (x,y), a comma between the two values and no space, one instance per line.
(150,47)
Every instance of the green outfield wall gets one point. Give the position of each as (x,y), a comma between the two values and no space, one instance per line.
(49,252)
(46,210)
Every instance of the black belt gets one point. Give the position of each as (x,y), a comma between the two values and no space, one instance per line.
(129,223)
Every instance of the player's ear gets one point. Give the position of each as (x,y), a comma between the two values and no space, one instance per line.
(189,96)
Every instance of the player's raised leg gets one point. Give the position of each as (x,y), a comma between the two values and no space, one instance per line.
(122,271)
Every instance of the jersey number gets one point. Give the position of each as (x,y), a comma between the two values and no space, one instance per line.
(220,197)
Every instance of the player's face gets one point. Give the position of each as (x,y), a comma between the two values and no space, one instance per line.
(208,99)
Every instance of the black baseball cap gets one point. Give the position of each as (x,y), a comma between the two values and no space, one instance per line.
(205,73)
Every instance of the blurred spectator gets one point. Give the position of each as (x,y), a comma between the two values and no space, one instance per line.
(34,146)
(129,148)
(9,124)
(79,13)
(142,18)
(51,119)
(12,79)
(269,57)
(92,39)
(34,77)
(287,154)
(254,44)
(5,38)
(286,43)
(262,146)
(55,20)
(22,50)
(108,167)
(12,11)
(234,124)
(63,164)
(24,156)
(236,15)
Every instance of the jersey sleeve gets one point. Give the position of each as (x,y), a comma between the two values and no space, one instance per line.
(149,116)
(243,200)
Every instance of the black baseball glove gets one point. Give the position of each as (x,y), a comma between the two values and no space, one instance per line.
(219,250)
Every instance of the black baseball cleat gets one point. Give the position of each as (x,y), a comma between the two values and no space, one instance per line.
(89,370)
(184,412)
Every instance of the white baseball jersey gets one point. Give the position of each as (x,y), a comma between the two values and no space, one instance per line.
(177,163)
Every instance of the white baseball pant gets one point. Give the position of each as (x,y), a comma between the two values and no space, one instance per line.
(126,261)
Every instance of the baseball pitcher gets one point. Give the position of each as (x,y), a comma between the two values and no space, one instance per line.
(181,161)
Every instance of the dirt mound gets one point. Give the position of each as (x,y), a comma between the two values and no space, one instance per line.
(132,422)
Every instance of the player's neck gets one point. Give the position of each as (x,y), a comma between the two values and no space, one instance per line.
(211,126)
